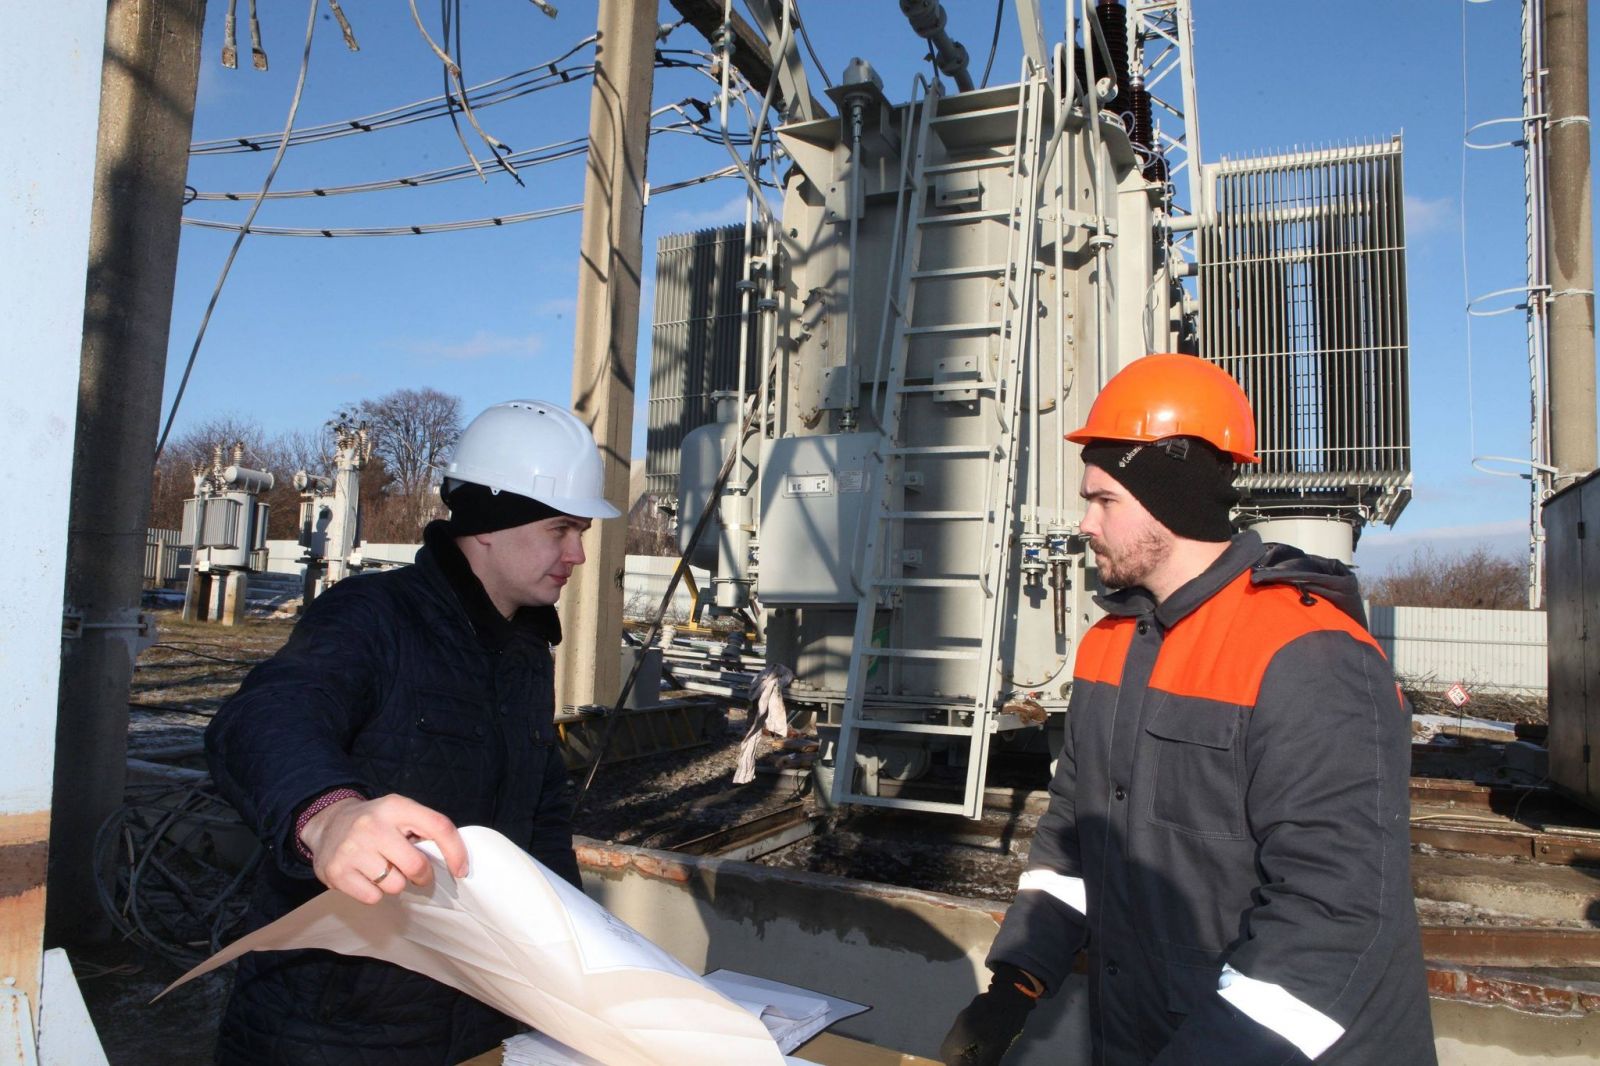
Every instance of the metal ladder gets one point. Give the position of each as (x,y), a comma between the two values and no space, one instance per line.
(983,591)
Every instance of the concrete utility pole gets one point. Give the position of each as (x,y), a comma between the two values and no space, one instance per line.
(152,62)
(589,660)
(1571,242)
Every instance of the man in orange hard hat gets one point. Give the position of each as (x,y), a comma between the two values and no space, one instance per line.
(1228,831)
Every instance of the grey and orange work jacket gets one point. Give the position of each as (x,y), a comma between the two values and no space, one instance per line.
(1228,830)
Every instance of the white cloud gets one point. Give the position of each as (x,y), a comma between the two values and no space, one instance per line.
(1379,551)
(481,345)
(1424,216)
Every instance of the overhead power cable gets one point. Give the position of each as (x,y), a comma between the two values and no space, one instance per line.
(486,94)
(438,227)
(547,153)
(227,265)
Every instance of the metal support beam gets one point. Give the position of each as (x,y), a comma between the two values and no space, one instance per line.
(751,55)
(1571,241)
(146,117)
(588,668)
(45,190)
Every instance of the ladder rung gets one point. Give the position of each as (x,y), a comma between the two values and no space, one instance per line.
(929,516)
(925,582)
(917,653)
(958,217)
(941,449)
(872,725)
(985,270)
(954,327)
(900,803)
(951,386)
(969,164)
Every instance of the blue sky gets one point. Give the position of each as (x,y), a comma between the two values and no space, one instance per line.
(307,325)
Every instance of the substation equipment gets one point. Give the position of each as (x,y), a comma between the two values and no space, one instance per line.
(225,529)
(894,358)
(330,511)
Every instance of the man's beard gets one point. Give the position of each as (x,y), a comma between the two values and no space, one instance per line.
(1132,563)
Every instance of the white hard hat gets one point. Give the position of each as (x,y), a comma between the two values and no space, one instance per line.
(534,449)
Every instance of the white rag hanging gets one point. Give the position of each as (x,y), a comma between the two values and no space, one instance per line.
(767,715)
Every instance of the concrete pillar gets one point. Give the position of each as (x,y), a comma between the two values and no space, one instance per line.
(1571,236)
(609,272)
(234,583)
(146,117)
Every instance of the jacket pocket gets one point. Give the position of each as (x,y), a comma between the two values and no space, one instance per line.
(1199,774)
(446,714)
(1190,982)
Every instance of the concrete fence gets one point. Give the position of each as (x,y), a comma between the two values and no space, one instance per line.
(161,556)
(1489,651)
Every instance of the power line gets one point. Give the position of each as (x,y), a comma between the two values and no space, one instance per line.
(216,292)
(486,94)
(547,153)
(436,227)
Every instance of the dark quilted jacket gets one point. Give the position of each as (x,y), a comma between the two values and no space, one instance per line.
(410,682)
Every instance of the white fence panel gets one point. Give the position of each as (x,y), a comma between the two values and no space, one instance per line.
(644,582)
(1497,651)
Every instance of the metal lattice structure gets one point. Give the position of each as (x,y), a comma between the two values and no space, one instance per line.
(694,341)
(1302,288)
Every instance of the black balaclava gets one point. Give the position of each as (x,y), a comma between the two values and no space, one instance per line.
(477,508)
(1184,482)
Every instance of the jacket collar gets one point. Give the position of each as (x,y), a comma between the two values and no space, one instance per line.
(1242,552)
(493,629)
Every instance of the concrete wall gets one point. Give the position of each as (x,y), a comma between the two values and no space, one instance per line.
(917,957)
(1498,651)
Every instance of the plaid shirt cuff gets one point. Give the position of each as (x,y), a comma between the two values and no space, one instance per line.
(314,808)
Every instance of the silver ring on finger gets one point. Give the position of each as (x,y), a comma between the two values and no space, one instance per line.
(388,869)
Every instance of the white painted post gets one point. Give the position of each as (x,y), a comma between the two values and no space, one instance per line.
(46,186)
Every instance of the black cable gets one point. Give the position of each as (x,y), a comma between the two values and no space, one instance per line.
(994,42)
(794,13)
(484,94)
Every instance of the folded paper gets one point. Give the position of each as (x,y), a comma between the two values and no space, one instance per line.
(514,935)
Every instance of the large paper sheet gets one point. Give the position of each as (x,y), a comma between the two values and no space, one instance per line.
(519,938)
(792,1015)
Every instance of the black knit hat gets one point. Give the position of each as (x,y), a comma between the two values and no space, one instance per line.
(477,508)
(1185,483)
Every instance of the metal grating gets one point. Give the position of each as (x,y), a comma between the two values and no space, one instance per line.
(1303,301)
(694,342)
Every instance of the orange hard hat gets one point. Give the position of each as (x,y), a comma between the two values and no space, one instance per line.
(1169,395)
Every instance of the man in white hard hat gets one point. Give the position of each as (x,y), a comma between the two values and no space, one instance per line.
(404,704)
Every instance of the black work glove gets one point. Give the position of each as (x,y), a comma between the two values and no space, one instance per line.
(991,1023)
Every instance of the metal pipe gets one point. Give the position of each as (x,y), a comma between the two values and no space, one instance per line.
(927,18)
(847,418)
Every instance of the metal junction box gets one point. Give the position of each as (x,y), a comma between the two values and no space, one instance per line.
(1572,600)
(812,489)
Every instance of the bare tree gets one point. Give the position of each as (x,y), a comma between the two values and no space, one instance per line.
(412,430)
(1475,578)
(650,530)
